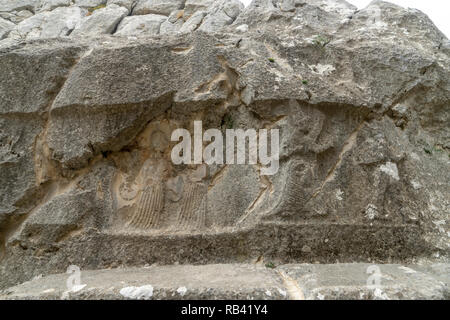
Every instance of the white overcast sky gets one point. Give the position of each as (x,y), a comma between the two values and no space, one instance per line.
(437,10)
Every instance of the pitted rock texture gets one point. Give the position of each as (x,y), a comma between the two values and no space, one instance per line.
(90,93)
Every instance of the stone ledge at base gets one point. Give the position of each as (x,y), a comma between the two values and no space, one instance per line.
(245,281)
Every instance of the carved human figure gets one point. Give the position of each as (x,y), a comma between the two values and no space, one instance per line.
(192,213)
(150,202)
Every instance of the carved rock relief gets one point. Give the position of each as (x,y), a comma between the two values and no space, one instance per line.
(159,195)
(153,194)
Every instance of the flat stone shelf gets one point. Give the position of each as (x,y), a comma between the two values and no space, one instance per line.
(244,281)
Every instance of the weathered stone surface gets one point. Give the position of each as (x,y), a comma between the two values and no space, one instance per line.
(48,5)
(293,282)
(193,22)
(146,97)
(49,24)
(168,27)
(16,17)
(5,27)
(134,25)
(287,5)
(23,121)
(220,14)
(17,163)
(45,71)
(16,5)
(102,21)
(191,6)
(361,100)
(171,282)
(163,7)
(357,282)
(89,3)
(129,4)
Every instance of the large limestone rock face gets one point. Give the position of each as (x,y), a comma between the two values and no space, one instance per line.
(87,108)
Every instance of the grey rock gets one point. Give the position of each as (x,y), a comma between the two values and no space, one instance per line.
(17,75)
(341,7)
(16,5)
(49,24)
(168,27)
(48,5)
(16,17)
(5,28)
(363,282)
(247,95)
(89,3)
(302,15)
(193,22)
(239,281)
(17,138)
(171,282)
(220,14)
(263,4)
(148,24)
(360,99)
(163,7)
(287,5)
(242,28)
(175,16)
(191,6)
(232,194)
(129,4)
(148,98)
(22,121)
(102,21)
(67,213)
